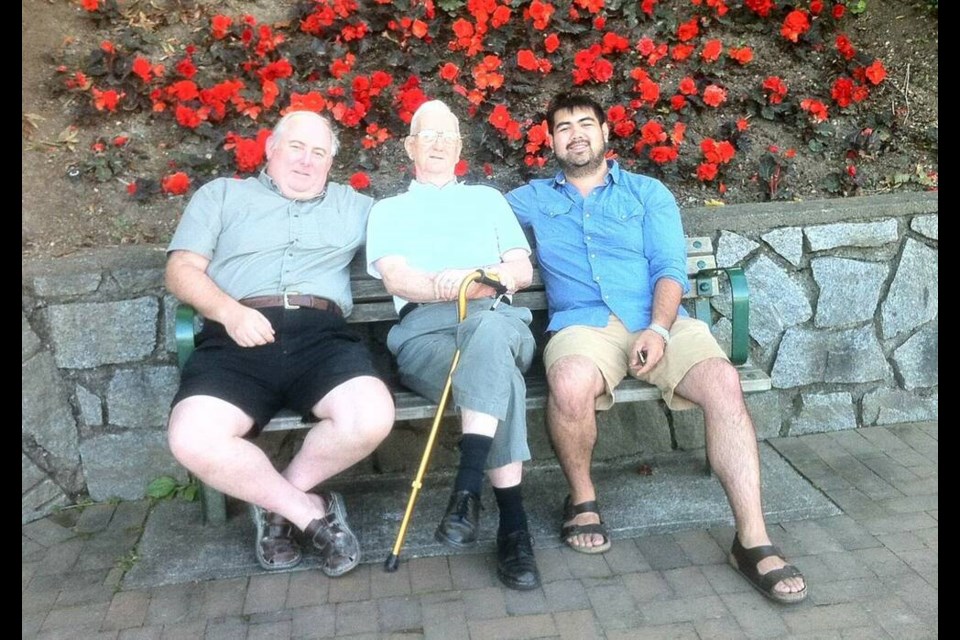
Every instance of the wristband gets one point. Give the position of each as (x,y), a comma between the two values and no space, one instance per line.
(660,331)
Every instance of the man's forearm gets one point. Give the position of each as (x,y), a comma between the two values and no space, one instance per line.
(187,279)
(667,295)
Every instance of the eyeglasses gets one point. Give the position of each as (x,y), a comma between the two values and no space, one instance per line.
(429,136)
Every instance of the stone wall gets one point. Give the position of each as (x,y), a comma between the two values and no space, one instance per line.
(844,316)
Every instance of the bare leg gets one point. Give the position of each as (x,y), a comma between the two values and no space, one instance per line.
(732,447)
(575,382)
(206,436)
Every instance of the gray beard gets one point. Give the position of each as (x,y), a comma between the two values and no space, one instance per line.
(588,168)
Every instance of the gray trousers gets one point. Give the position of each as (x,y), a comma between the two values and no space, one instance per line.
(496,347)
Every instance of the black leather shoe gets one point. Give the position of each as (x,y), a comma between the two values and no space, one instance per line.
(460,524)
(516,566)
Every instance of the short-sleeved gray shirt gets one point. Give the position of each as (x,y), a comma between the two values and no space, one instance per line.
(261,243)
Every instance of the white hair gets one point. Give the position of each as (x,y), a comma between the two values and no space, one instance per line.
(431,106)
(281,126)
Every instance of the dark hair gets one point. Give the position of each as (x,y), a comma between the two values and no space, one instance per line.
(569,101)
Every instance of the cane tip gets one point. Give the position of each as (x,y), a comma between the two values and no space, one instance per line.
(391,563)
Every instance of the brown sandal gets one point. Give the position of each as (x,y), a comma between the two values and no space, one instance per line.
(331,535)
(567,531)
(276,548)
(745,561)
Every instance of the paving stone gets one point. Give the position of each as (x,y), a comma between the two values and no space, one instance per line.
(625,557)
(585,565)
(911,504)
(61,558)
(356,617)
(613,605)
(514,627)
(280,630)
(846,591)
(64,633)
(923,561)
(314,622)
(684,609)
(307,589)
(46,532)
(77,617)
(173,604)
(688,582)
(856,504)
(472,571)
(184,630)
(899,522)
(825,617)
(811,537)
(552,565)
(154,633)
(578,625)
(91,594)
(523,603)
(724,579)
(566,595)
(898,620)
(223,598)
(350,587)
(400,613)
(430,574)
(758,617)
(725,628)
(700,547)
(94,518)
(848,532)
(644,587)
(444,616)
(35,601)
(480,604)
(232,628)
(266,592)
(681,631)
(864,633)
(662,552)
(30,623)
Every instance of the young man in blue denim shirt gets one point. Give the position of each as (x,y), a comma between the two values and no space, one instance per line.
(612,256)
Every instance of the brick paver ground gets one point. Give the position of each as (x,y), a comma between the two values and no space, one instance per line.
(873,573)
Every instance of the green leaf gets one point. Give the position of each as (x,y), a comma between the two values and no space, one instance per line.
(162,487)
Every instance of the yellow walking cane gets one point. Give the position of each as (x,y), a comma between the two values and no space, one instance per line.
(489,279)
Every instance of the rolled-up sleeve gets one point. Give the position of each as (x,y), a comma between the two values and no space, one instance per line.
(664,244)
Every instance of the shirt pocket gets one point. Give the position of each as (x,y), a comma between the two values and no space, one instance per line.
(557,220)
(626,224)
(325,228)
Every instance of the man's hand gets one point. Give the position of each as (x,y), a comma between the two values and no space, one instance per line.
(646,352)
(446,284)
(248,327)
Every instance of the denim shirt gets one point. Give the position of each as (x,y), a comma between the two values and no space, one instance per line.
(606,252)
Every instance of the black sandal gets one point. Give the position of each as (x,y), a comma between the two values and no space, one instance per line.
(567,531)
(745,561)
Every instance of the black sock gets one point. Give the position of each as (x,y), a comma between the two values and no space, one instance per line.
(512,515)
(473,459)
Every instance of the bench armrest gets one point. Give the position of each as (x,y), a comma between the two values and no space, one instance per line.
(184,330)
(740,314)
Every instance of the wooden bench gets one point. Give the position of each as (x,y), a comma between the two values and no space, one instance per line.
(372,304)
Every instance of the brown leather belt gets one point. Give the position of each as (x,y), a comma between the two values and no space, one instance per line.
(293,301)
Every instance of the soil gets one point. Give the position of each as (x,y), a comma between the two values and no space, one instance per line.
(62,213)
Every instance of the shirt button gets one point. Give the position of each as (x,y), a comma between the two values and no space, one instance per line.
(588,237)
(593,255)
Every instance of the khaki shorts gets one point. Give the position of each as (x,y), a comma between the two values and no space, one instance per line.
(608,347)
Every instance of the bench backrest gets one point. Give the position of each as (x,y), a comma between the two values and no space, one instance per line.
(371,302)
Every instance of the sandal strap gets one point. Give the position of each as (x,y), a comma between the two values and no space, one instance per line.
(748,559)
(571,510)
(571,530)
(769,579)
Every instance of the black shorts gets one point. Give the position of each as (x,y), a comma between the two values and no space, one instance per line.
(313,353)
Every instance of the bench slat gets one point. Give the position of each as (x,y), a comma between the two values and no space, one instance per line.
(411,406)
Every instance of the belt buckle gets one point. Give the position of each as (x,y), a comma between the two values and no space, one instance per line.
(286,300)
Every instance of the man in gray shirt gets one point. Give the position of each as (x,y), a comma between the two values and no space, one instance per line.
(266,261)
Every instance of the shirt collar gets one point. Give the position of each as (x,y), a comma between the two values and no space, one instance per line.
(425,187)
(271,184)
(613,175)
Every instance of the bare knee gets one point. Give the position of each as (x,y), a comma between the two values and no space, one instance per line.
(575,382)
(713,384)
(364,410)
(198,429)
